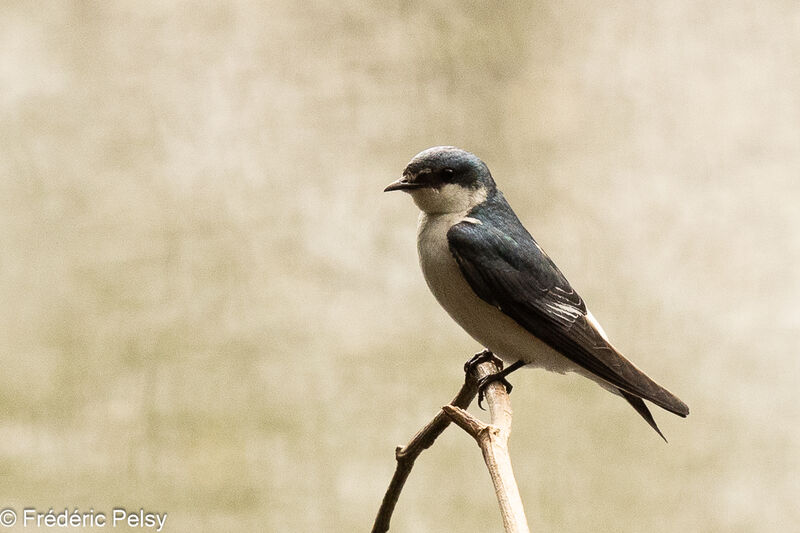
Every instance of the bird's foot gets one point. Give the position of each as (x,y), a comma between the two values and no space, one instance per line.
(479,358)
(485,380)
(482,357)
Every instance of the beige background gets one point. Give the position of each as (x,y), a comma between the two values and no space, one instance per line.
(210,308)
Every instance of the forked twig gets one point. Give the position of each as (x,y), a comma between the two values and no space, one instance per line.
(492,439)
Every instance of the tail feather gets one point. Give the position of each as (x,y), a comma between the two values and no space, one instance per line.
(642,409)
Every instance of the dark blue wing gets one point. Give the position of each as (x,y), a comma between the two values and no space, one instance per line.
(507,268)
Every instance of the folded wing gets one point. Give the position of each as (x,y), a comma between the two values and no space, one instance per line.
(507,268)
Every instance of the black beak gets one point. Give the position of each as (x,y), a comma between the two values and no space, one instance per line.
(403,185)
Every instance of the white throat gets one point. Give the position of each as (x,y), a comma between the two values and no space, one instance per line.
(449,198)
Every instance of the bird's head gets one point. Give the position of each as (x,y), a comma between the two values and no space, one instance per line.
(445,179)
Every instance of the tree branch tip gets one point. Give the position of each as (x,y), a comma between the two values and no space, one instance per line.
(453,412)
(464,420)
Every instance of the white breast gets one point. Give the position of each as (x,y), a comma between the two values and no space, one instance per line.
(484,322)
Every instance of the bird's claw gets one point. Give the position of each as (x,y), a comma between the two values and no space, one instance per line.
(484,381)
(479,358)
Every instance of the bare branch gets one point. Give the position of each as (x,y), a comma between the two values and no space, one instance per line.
(493,441)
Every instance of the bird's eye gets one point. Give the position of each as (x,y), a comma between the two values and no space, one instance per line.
(448,171)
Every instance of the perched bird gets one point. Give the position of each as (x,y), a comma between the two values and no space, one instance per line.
(498,284)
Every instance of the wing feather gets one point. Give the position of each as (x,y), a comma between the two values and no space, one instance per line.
(507,268)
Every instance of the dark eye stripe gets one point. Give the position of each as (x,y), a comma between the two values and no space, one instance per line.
(433,178)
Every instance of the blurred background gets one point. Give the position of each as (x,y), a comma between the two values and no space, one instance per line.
(210,309)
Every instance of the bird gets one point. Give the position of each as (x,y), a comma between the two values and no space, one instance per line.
(495,281)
